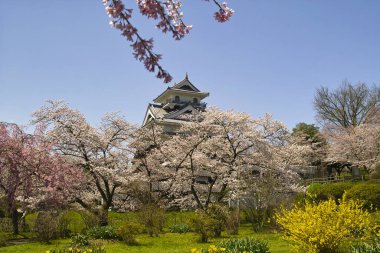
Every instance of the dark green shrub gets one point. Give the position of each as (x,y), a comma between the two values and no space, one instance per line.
(2,213)
(364,247)
(104,232)
(153,219)
(128,231)
(203,225)
(76,224)
(323,192)
(233,222)
(51,225)
(3,240)
(63,222)
(314,190)
(90,220)
(80,240)
(248,245)
(258,217)
(368,193)
(179,228)
(219,214)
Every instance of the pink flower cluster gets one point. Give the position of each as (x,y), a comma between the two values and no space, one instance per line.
(142,48)
(173,8)
(224,14)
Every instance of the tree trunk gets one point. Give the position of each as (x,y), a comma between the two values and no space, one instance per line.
(14,217)
(101,213)
(103,216)
(218,232)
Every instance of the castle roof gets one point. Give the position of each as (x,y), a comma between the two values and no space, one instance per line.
(166,109)
(185,87)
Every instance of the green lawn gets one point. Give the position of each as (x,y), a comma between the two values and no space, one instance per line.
(168,242)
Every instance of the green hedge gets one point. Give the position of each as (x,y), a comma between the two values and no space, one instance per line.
(369,193)
(330,190)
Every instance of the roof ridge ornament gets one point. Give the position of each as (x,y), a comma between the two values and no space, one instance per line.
(187,76)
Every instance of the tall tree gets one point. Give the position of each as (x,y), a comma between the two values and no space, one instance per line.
(348,105)
(212,151)
(357,145)
(309,131)
(170,19)
(102,154)
(309,135)
(30,174)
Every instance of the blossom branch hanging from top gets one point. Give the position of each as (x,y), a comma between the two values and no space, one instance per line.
(170,19)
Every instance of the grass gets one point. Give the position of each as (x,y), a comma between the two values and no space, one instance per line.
(167,242)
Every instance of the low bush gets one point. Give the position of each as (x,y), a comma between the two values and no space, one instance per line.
(219,213)
(235,245)
(364,247)
(248,245)
(179,228)
(90,220)
(258,217)
(76,223)
(233,222)
(368,193)
(79,250)
(152,218)
(104,232)
(3,240)
(63,222)
(50,225)
(314,188)
(323,192)
(211,249)
(2,213)
(203,225)
(128,231)
(80,240)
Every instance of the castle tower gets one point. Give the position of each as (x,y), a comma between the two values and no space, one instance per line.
(175,101)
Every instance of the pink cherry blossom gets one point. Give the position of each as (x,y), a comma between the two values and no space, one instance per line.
(170,19)
(30,174)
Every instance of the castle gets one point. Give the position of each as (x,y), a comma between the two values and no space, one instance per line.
(170,106)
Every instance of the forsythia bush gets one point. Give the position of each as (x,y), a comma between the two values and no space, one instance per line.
(321,227)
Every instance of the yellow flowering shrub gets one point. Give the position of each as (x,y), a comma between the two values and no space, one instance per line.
(211,249)
(321,227)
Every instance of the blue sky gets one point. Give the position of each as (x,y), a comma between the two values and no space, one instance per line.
(270,57)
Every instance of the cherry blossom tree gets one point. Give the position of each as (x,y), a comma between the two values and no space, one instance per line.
(170,19)
(356,145)
(211,153)
(102,153)
(30,174)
